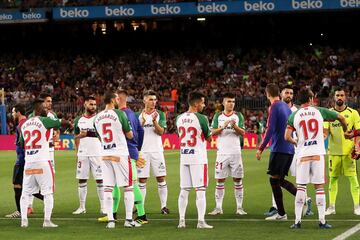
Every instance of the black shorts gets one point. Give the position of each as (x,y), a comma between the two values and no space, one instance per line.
(279,164)
(18,174)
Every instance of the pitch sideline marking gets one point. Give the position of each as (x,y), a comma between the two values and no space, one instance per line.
(348,233)
(193,219)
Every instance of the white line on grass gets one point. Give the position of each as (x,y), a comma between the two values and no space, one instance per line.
(193,219)
(348,233)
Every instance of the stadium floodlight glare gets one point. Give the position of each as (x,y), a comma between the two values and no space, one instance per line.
(201,19)
(310,44)
(321,34)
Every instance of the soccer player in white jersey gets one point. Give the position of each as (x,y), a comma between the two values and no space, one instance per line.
(310,163)
(194,132)
(88,148)
(38,170)
(54,136)
(113,128)
(152,150)
(228,126)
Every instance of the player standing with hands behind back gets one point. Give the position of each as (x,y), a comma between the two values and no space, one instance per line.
(193,129)
(310,158)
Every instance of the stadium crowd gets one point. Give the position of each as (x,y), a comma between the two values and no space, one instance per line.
(69,77)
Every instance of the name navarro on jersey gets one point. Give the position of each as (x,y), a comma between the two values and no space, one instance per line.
(33,123)
(187,151)
(105,116)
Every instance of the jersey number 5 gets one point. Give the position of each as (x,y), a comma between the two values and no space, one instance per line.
(192,141)
(312,125)
(108,134)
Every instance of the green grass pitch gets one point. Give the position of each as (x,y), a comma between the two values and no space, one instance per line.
(227,226)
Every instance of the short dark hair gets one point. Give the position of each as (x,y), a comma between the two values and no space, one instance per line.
(228,95)
(19,107)
(272,89)
(38,103)
(108,96)
(122,91)
(304,96)
(287,87)
(194,97)
(339,88)
(90,97)
(149,93)
(44,95)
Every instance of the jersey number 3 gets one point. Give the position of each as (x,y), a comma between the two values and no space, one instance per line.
(192,141)
(312,126)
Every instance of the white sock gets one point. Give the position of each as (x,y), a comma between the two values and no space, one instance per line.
(100,193)
(129,202)
(48,206)
(30,201)
(300,200)
(182,203)
(108,202)
(24,203)
(142,187)
(82,189)
(321,204)
(201,203)
(163,193)
(239,193)
(219,194)
(273,201)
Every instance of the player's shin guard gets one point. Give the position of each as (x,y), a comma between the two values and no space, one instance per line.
(82,189)
(182,202)
(116,198)
(138,200)
(108,202)
(239,193)
(333,189)
(129,202)
(321,204)
(354,187)
(300,199)
(24,203)
(100,193)
(48,206)
(201,203)
(142,187)
(219,194)
(276,189)
(163,193)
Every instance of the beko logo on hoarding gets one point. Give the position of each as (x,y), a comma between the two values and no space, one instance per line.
(121,11)
(212,8)
(258,6)
(306,4)
(74,13)
(165,10)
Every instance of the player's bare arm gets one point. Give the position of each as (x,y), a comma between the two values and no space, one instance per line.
(217,131)
(288,136)
(239,131)
(129,135)
(342,120)
(157,128)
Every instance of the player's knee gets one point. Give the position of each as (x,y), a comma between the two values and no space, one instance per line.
(142,180)
(82,180)
(319,186)
(237,180)
(221,180)
(100,181)
(198,189)
(17,186)
(160,179)
(274,181)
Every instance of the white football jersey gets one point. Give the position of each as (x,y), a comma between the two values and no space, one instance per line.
(308,123)
(36,134)
(90,145)
(228,141)
(111,126)
(152,141)
(193,130)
